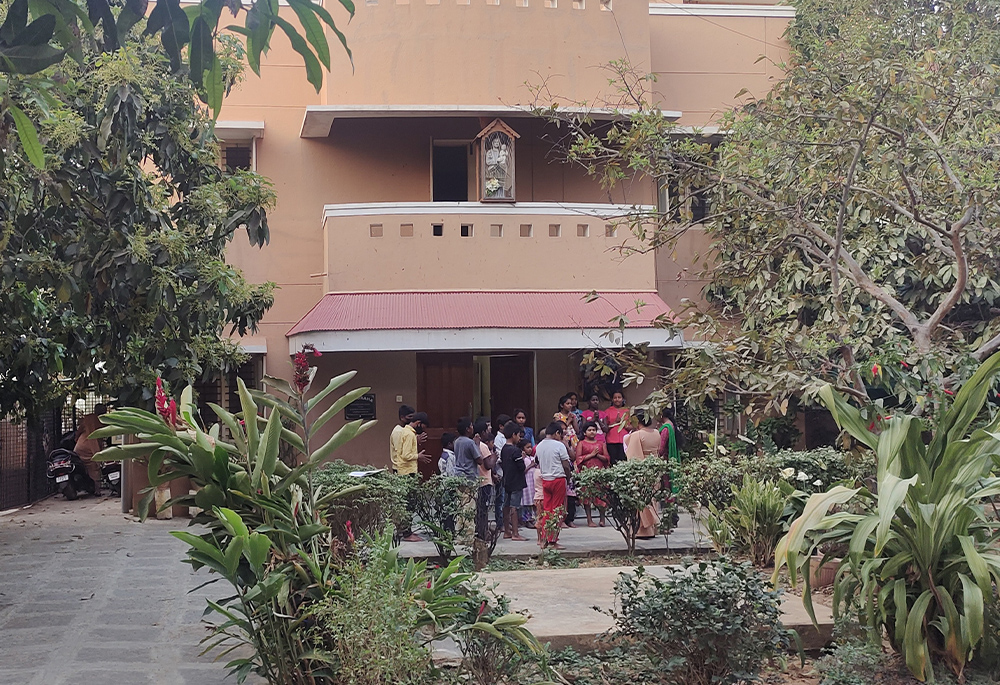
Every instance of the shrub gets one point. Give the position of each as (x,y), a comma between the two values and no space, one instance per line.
(708,623)
(382,501)
(710,480)
(851,662)
(819,469)
(627,488)
(446,506)
(266,533)
(922,564)
(752,523)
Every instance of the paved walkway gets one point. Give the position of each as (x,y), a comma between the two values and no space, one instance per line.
(584,541)
(90,597)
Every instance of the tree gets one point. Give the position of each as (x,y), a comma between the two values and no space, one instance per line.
(113,241)
(37,34)
(853,210)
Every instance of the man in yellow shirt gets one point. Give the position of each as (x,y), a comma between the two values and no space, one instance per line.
(396,437)
(406,458)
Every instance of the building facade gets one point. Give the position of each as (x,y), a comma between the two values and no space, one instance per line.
(425,233)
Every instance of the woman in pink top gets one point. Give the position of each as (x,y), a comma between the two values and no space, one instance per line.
(593,414)
(616,418)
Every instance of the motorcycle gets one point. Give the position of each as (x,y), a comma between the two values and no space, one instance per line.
(69,474)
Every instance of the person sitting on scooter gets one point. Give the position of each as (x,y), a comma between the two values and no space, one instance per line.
(86,448)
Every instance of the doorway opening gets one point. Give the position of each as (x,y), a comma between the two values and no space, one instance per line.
(450,172)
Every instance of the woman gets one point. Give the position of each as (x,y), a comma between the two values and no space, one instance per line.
(521,419)
(566,415)
(616,418)
(644,443)
(668,446)
(593,413)
(591,453)
(514,484)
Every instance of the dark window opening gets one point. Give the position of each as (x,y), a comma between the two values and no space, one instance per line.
(466,230)
(237,157)
(437,230)
(451,173)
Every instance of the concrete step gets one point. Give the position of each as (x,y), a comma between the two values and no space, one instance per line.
(561,604)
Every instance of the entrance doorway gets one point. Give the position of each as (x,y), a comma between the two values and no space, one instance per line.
(451,385)
(450,170)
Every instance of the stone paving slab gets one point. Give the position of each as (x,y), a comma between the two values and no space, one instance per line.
(561,604)
(583,541)
(89,596)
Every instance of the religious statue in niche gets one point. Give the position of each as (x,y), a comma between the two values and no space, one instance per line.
(496,155)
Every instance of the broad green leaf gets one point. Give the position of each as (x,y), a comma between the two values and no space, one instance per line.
(306,13)
(334,383)
(847,417)
(891,493)
(314,71)
(214,87)
(336,408)
(26,132)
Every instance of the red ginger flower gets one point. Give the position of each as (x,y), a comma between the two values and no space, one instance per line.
(350,532)
(165,408)
(300,366)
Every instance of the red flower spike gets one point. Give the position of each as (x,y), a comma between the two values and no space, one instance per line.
(949,392)
(871,426)
(876,369)
(350,532)
(482,610)
(904,365)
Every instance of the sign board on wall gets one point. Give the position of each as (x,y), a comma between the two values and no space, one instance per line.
(362,408)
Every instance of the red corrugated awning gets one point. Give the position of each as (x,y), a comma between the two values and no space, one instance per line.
(479,309)
(484,320)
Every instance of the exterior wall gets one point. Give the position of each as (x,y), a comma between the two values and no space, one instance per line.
(473,52)
(701,61)
(389,374)
(557,372)
(680,273)
(359,262)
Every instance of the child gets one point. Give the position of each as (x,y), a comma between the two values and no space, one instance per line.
(447,461)
(514,482)
(536,477)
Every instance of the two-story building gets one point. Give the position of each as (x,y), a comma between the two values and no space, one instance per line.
(426,236)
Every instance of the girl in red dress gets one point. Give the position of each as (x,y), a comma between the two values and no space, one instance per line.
(592,454)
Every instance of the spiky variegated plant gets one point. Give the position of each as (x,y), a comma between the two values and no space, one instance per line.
(266,533)
(923,556)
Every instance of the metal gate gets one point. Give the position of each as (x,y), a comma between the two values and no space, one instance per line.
(25,446)
(23,451)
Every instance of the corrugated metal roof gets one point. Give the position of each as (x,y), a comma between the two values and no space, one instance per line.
(480,309)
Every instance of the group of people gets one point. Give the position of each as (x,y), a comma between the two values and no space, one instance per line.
(528,477)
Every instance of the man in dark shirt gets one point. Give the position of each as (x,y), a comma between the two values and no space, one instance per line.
(514,482)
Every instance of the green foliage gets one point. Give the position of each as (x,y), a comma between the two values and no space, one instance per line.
(850,662)
(627,488)
(709,481)
(35,36)
(270,538)
(446,506)
(752,523)
(711,622)
(382,501)
(615,666)
(852,209)
(922,562)
(113,263)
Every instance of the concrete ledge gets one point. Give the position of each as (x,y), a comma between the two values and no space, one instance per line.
(561,603)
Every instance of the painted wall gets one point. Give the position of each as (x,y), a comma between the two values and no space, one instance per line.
(702,62)
(359,262)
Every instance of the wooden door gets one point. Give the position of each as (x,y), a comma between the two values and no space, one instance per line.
(511,384)
(444,391)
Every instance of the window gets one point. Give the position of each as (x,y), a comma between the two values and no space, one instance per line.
(437,230)
(606,5)
(520,3)
(451,172)
(496,162)
(579,4)
(582,230)
(552,4)
(676,205)
(466,230)
(237,156)
(555,230)
(496,230)
(610,231)
(406,230)
(525,230)
(375,230)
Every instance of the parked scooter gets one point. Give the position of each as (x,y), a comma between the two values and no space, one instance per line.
(68,473)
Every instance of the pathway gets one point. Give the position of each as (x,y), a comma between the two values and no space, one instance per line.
(89,596)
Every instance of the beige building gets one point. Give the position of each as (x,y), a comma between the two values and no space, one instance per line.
(426,236)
